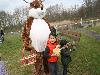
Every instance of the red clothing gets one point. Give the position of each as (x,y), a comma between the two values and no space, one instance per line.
(52,46)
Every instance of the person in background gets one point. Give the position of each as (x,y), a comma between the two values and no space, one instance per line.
(2,34)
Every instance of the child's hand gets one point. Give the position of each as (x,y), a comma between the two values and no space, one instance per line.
(56,51)
(58,46)
(53,55)
(66,46)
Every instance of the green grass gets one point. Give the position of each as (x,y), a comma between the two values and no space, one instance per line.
(11,52)
(96,29)
(85,59)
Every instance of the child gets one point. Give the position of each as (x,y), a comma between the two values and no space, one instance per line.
(51,58)
(65,56)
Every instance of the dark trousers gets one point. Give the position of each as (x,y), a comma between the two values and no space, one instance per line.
(65,62)
(53,68)
(65,69)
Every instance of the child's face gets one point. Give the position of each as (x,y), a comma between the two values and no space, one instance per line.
(52,39)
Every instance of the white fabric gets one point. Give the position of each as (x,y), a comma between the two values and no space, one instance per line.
(40,31)
(39,34)
(37,13)
(29,1)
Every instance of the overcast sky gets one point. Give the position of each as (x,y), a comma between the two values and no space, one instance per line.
(9,5)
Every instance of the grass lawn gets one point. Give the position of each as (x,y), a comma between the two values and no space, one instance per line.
(96,29)
(85,59)
(11,52)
